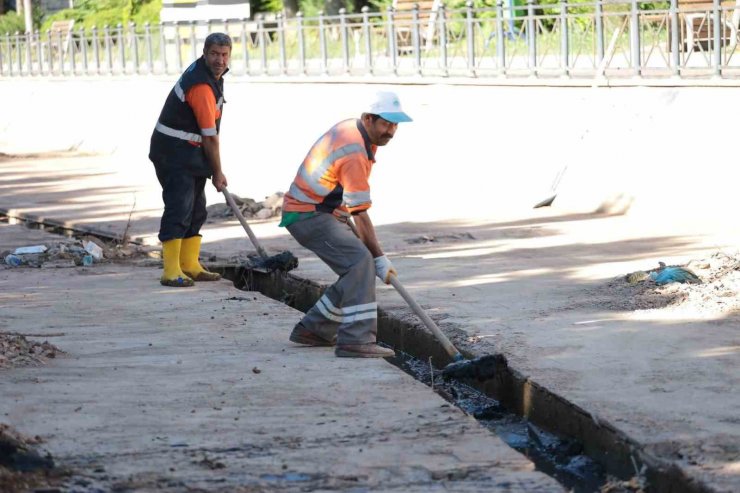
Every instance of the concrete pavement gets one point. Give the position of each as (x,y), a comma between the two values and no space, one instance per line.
(199,389)
(531,284)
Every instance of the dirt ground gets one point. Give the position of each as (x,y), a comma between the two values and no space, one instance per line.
(16,350)
(24,465)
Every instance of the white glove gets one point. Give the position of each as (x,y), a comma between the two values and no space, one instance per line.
(384,269)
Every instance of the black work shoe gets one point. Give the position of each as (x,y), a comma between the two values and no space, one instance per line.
(363,351)
(302,335)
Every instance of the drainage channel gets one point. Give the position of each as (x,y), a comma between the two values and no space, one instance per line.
(562,439)
(562,459)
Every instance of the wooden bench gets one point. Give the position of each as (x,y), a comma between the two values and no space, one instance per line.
(404,26)
(697,29)
(63,29)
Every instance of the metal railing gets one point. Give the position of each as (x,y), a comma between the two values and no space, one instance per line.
(612,39)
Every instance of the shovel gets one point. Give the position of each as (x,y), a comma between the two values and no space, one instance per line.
(284,261)
(481,368)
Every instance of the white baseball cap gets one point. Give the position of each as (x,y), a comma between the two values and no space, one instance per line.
(387,105)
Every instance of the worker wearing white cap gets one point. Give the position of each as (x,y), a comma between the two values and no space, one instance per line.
(331,183)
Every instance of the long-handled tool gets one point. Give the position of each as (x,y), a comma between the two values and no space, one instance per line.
(481,368)
(446,344)
(547,202)
(284,261)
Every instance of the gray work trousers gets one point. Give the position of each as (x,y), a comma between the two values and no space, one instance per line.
(347,309)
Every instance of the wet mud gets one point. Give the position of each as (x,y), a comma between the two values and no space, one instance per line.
(558,457)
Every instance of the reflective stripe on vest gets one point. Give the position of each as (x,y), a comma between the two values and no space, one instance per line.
(297,193)
(313,179)
(179,92)
(179,134)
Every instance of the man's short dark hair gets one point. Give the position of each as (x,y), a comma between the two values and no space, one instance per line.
(220,39)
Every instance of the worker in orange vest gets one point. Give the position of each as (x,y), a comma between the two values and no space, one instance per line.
(185,152)
(332,182)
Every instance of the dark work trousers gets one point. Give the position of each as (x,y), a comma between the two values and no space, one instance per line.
(184,203)
(347,308)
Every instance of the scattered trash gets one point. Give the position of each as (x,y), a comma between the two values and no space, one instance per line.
(13,260)
(256,370)
(70,252)
(272,206)
(30,249)
(664,275)
(674,274)
(440,238)
(708,286)
(635,277)
(59,263)
(93,249)
(64,254)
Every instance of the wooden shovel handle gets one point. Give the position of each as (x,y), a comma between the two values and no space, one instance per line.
(446,344)
(245,225)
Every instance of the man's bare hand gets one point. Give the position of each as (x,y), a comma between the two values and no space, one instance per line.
(219,181)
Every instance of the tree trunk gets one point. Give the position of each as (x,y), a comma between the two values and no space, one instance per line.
(291,7)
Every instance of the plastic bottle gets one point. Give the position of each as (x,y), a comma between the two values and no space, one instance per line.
(13,260)
(87,260)
(93,250)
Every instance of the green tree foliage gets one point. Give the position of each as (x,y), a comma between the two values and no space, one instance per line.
(259,6)
(11,23)
(89,13)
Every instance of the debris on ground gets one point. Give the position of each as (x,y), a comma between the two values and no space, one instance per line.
(30,249)
(73,252)
(16,350)
(664,275)
(708,286)
(270,207)
(23,467)
(283,261)
(439,238)
(615,485)
(668,275)
(481,368)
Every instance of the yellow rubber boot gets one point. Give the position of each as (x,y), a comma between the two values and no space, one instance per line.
(173,275)
(190,264)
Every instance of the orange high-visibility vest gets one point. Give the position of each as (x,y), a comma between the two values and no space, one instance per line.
(335,172)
